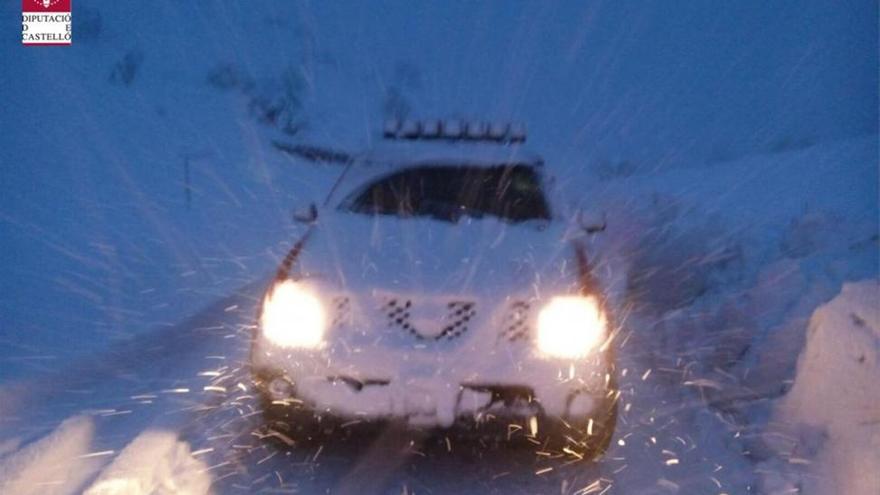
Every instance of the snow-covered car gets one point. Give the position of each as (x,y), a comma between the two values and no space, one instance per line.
(439,285)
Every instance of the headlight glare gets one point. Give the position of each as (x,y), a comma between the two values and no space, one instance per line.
(292,316)
(570,326)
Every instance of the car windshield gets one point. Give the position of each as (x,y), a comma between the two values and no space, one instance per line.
(509,192)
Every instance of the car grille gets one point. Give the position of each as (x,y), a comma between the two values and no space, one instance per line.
(452,319)
(515,325)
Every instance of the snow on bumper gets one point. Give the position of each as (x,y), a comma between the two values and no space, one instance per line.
(430,387)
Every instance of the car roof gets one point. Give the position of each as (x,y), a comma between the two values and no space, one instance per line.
(404,153)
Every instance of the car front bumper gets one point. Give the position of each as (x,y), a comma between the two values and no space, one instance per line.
(433,387)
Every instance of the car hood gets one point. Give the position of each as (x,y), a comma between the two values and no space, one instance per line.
(479,257)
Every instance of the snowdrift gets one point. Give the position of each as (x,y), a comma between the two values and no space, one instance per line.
(156,462)
(827,427)
(53,465)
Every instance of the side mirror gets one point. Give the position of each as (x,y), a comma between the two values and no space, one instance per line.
(307,215)
(591,222)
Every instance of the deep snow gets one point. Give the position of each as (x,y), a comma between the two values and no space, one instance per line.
(733,146)
(826,430)
(694,419)
(119,214)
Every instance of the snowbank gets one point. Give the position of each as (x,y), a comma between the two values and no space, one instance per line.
(57,464)
(733,281)
(155,462)
(62,462)
(827,427)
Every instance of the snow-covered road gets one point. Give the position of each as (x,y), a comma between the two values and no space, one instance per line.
(719,303)
(717,315)
(189,384)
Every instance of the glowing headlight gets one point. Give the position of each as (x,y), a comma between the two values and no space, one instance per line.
(292,316)
(570,326)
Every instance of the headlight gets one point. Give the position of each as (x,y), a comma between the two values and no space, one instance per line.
(292,316)
(570,326)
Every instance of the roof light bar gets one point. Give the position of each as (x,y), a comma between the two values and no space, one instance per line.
(454,130)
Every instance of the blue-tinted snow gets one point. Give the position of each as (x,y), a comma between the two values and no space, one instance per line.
(735,142)
(96,232)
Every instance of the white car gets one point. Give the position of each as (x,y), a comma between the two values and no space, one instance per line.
(439,285)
